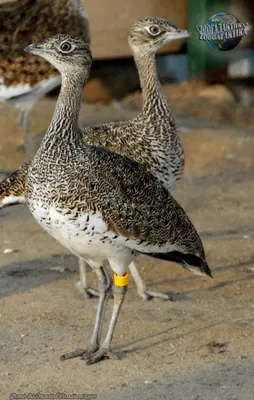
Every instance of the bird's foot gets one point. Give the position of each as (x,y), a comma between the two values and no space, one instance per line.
(91,349)
(92,354)
(149,295)
(99,355)
(89,292)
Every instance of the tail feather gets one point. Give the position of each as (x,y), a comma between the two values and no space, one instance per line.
(191,262)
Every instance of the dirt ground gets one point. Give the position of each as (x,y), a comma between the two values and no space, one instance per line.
(200,346)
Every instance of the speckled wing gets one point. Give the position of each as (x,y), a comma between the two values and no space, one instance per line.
(139,212)
(12,188)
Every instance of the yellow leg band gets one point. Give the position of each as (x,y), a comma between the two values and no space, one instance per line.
(121,280)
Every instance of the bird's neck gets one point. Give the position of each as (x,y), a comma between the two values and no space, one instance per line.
(64,127)
(153,95)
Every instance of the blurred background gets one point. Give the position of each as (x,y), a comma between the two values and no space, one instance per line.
(178,62)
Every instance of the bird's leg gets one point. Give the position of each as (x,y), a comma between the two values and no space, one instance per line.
(142,289)
(105,289)
(83,285)
(23,121)
(104,351)
(89,292)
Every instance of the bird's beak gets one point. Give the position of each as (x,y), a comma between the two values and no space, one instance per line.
(178,34)
(35,49)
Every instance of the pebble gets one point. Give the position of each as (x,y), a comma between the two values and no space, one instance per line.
(58,269)
(230,155)
(9,251)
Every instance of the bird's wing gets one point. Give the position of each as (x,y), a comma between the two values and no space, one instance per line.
(12,188)
(134,205)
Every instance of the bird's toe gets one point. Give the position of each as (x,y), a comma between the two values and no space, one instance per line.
(100,355)
(90,349)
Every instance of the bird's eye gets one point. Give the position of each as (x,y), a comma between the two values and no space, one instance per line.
(66,47)
(154,30)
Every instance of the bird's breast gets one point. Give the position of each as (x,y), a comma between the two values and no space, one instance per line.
(84,234)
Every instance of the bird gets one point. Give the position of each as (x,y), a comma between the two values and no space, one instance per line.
(150,139)
(99,204)
(24,80)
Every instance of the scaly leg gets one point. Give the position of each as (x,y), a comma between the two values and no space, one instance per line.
(105,349)
(89,292)
(105,289)
(141,287)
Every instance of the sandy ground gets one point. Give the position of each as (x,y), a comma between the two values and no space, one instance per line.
(201,346)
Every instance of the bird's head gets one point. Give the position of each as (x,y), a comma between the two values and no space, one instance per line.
(150,34)
(64,52)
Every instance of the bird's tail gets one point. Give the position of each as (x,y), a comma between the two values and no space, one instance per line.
(191,262)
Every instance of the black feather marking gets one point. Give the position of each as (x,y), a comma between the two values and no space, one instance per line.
(184,260)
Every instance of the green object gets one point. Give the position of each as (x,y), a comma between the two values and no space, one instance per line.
(202,58)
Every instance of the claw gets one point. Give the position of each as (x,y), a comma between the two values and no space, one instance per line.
(88,291)
(149,295)
(100,355)
(91,293)
(79,353)
(72,354)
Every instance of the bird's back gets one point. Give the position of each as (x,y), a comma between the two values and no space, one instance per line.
(31,21)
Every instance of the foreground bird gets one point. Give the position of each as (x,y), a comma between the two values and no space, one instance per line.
(151,138)
(23,80)
(98,204)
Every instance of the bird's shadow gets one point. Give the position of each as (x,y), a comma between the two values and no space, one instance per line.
(145,343)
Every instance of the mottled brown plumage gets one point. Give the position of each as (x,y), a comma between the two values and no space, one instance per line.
(29,21)
(96,203)
(25,78)
(14,184)
(151,138)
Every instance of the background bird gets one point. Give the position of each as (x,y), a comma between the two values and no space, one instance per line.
(25,78)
